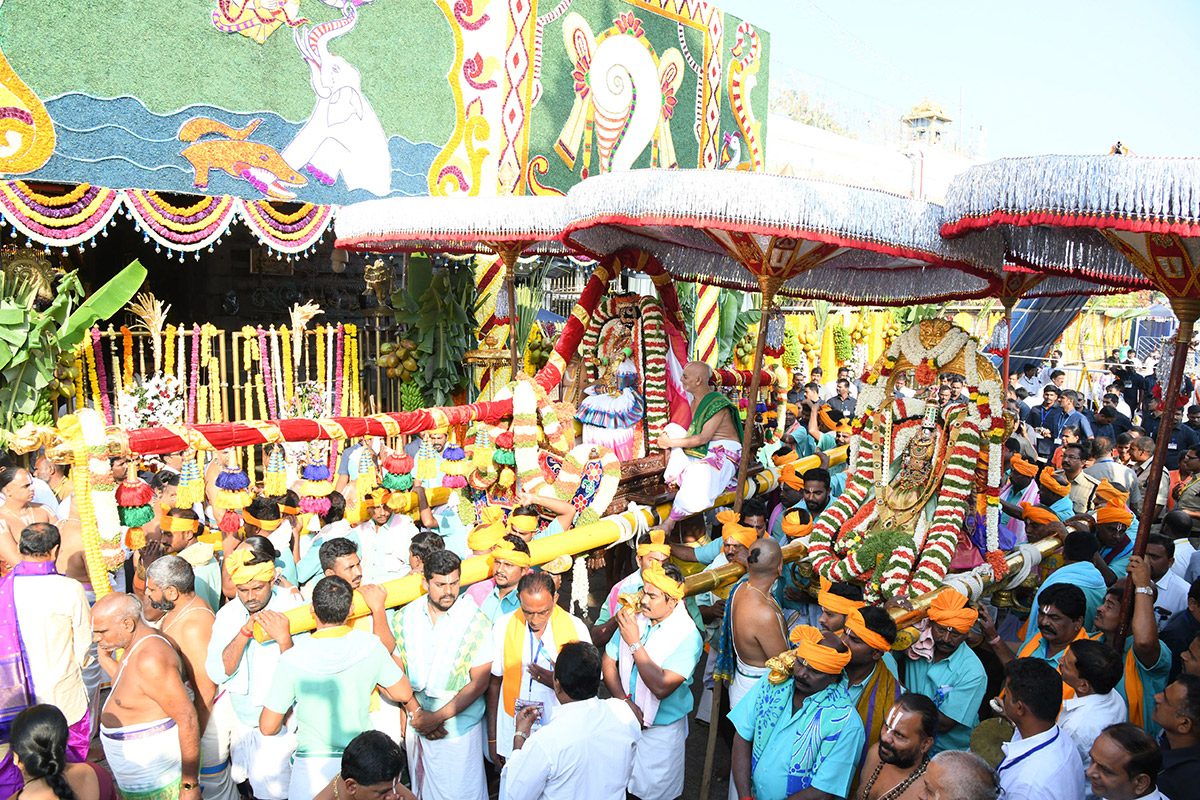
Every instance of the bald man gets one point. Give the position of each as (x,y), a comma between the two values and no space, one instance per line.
(759,630)
(703,459)
(148,725)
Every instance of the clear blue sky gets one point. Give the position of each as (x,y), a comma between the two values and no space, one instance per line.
(1042,76)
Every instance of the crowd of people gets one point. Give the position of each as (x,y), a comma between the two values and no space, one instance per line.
(195,680)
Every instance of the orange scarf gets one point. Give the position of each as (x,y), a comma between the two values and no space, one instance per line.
(514,645)
(1032,645)
(1134,697)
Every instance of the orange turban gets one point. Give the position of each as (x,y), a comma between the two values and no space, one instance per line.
(825,419)
(242,573)
(810,646)
(1023,467)
(172,524)
(843,427)
(793,527)
(835,603)
(791,478)
(731,528)
(949,608)
(1114,513)
(505,551)
(795,409)
(784,458)
(1051,482)
(856,623)
(261,524)
(658,544)
(657,577)
(376,497)
(1111,494)
(1037,514)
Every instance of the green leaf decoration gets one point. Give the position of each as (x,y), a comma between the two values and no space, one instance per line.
(104,302)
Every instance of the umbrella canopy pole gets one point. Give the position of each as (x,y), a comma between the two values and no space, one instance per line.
(508,253)
(1187,310)
(769,286)
(1008,302)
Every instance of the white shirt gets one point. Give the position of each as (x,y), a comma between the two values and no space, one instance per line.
(830,389)
(52,613)
(384,549)
(586,751)
(1042,767)
(1183,557)
(1032,385)
(1083,719)
(1172,597)
(534,651)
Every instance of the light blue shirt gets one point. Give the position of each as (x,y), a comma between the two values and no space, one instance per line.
(840,746)
(251,679)
(681,661)
(707,553)
(957,685)
(309,565)
(1081,574)
(1063,508)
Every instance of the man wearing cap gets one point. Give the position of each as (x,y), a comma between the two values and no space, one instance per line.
(245,668)
(1147,661)
(509,560)
(525,645)
(650,665)
(800,734)
(651,549)
(384,539)
(870,684)
(954,677)
(703,459)
(442,643)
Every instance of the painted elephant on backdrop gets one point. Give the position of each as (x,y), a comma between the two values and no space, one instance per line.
(343,135)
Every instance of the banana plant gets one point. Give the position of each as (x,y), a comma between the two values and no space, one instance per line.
(732,324)
(440,319)
(35,346)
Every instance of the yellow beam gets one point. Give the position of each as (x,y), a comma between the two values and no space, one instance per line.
(577,540)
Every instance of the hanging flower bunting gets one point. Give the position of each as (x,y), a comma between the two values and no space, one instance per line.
(57,221)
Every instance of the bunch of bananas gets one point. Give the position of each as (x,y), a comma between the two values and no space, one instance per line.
(859,329)
(792,352)
(410,396)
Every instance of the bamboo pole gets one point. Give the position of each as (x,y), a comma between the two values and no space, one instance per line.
(769,286)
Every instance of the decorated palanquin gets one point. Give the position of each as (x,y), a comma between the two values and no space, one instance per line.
(924,480)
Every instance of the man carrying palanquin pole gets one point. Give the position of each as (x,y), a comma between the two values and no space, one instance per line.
(704,458)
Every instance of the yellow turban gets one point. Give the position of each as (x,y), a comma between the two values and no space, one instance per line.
(791,478)
(376,497)
(1114,513)
(524,523)
(261,524)
(1023,467)
(1051,481)
(1037,514)
(172,524)
(834,603)
(843,427)
(485,536)
(781,459)
(731,528)
(793,527)
(949,608)
(856,623)
(242,573)
(658,544)
(1111,494)
(656,576)
(810,646)
(505,551)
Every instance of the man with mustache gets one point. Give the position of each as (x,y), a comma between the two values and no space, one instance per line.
(1060,617)
(894,767)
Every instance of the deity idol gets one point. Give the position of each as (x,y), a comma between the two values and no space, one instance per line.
(613,407)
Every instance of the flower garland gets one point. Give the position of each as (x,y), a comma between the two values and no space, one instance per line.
(260,391)
(80,393)
(181,360)
(289,379)
(264,360)
(210,362)
(99,379)
(155,402)
(194,380)
(127,346)
(329,362)
(320,376)
(277,369)
(202,405)
(116,367)
(169,350)
(339,379)
(355,372)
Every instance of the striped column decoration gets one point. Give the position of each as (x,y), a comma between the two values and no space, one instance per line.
(489,280)
(706,323)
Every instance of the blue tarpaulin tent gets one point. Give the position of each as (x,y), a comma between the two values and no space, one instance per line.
(1036,326)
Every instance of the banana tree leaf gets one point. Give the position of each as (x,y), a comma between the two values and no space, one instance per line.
(11,315)
(104,302)
(15,334)
(741,324)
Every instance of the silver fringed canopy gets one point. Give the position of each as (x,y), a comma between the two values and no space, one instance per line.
(1070,214)
(819,240)
(452,224)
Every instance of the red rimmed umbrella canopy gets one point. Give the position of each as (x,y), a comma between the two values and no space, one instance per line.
(1117,219)
(782,235)
(506,226)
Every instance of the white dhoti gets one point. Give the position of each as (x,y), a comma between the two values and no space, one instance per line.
(144,759)
(658,762)
(449,768)
(311,774)
(265,761)
(216,780)
(701,480)
(386,719)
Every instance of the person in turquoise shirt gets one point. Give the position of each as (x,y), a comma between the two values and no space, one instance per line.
(802,734)
(1054,492)
(954,679)
(1116,531)
(1146,656)
(1079,550)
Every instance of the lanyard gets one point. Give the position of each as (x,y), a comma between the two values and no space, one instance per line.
(1024,756)
(534,655)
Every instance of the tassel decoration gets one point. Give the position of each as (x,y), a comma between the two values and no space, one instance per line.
(232,489)
(426,461)
(275,482)
(191,484)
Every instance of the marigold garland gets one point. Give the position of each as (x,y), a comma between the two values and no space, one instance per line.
(249,352)
(127,346)
(262,399)
(116,367)
(289,380)
(99,378)
(169,350)
(320,376)
(202,404)
(80,393)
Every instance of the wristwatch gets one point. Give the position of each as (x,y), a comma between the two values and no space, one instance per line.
(187,787)
(633,648)
(1144,590)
